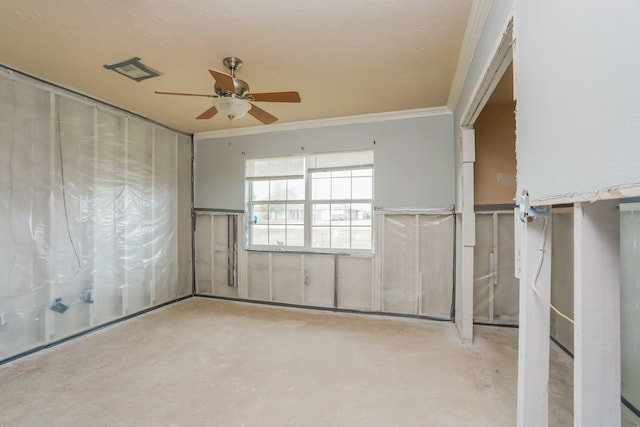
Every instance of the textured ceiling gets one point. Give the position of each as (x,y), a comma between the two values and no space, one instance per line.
(344,57)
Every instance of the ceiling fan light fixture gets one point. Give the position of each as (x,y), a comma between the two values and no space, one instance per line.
(232,107)
(232,96)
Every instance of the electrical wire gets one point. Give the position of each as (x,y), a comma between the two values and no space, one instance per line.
(535,280)
(64,192)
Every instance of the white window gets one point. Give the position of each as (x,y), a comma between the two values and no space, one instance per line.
(315,202)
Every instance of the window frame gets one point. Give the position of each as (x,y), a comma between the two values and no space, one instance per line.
(308,204)
(250,208)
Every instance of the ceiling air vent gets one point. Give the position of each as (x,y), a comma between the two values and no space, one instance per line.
(134,69)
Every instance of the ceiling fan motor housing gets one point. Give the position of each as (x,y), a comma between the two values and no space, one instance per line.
(233,97)
(241,89)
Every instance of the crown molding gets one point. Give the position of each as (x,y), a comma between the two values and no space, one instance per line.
(319,123)
(475,25)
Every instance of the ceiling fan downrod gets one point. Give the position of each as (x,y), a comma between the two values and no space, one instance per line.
(232,63)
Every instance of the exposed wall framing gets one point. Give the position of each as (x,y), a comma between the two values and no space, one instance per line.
(89,214)
(411,272)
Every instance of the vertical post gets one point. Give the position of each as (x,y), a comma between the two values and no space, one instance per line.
(125,212)
(335,281)
(374,282)
(49,321)
(596,372)
(417,276)
(243,286)
(533,337)
(493,261)
(377,296)
(464,313)
(270,276)
(457,268)
(303,283)
(212,244)
(154,198)
(175,224)
(96,220)
(212,251)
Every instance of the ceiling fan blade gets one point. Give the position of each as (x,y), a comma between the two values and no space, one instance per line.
(208,114)
(185,94)
(262,115)
(275,97)
(224,80)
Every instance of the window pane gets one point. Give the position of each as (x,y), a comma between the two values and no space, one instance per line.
(260,190)
(321,214)
(340,188)
(363,188)
(277,235)
(360,214)
(280,196)
(277,214)
(278,190)
(362,172)
(295,189)
(260,214)
(260,234)
(295,235)
(340,214)
(340,237)
(320,237)
(344,174)
(295,214)
(361,238)
(321,188)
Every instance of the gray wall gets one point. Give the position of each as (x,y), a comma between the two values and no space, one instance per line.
(578,93)
(414,163)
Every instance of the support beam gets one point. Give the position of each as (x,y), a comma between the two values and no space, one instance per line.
(154,245)
(212,252)
(121,231)
(377,294)
(597,314)
(464,311)
(48,328)
(243,283)
(533,337)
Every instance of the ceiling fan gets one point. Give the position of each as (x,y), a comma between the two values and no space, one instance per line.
(233,98)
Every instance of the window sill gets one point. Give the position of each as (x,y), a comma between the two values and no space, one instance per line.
(362,254)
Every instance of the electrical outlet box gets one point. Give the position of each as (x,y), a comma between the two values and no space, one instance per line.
(536,211)
(526,212)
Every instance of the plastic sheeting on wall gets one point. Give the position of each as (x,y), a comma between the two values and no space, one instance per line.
(562,276)
(411,273)
(496,289)
(215,254)
(630,304)
(417,269)
(90,206)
